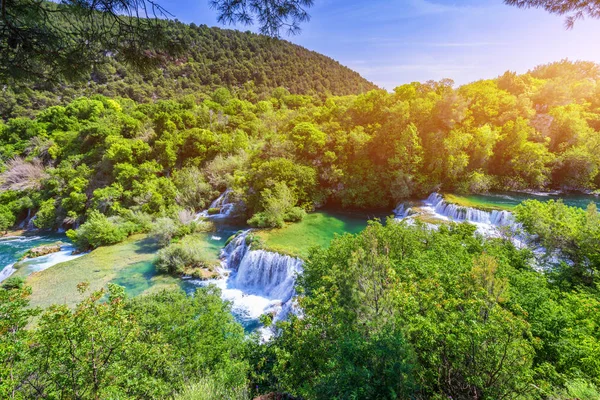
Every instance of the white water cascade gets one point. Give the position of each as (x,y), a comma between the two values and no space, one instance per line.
(42,263)
(222,203)
(257,282)
(435,207)
(7,271)
(459,213)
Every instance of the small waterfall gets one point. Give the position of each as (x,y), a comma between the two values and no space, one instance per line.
(222,203)
(267,274)
(7,271)
(41,263)
(402,211)
(256,282)
(235,251)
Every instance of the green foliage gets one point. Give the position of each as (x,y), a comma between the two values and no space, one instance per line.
(407,312)
(7,218)
(46,217)
(100,230)
(211,389)
(279,206)
(571,232)
(183,257)
(111,347)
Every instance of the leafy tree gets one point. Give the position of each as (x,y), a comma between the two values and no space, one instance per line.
(99,230)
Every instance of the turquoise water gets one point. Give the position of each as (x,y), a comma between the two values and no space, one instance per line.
(136,278)
(12,248)
(509,200)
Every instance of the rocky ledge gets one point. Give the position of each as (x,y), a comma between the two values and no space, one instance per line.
(42,250)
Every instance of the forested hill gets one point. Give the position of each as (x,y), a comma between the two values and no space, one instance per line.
(213,58)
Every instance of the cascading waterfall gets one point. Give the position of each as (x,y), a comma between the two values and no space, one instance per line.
(7,271)
(402,211)
(267,274)
(222,203)
(458,213)
(257,282)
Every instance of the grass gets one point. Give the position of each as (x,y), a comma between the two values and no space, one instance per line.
(480,204)
(128,263)
(316,229)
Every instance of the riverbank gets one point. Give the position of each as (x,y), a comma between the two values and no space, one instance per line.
(128,263)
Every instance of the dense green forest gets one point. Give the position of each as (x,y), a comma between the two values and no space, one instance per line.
(113,157)
(400,311)
(397,312)
(213,58)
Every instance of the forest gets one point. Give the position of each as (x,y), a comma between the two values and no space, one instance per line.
(253,129)
(213,58)
(113,157)
(398,311)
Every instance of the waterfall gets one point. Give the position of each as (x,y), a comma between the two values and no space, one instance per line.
(235,251)
(267,274)
(222,203)
(402,211)
(459,213)
(41,263)
(7,271)
(256,282)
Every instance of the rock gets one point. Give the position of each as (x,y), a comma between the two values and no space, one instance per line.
(275,396)
(43,250)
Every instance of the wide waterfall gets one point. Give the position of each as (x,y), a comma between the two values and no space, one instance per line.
(460,213)
(256,282)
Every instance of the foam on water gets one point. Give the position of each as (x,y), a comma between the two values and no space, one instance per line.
(223,203)
(36,264)
(256,282)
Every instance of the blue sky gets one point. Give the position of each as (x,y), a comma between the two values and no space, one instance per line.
(391,42)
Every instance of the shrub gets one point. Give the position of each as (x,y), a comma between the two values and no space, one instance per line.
(7,219)
(164,230)
(46,215)
(214,211)
(179,257)
(100,230)
(477,182)
(193,191)
(209,388)
(141,220)
(278,208)
(296,214)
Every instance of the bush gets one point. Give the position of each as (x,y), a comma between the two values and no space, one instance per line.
(177,258)
(46,215)
(100,230)
(164,230)
(477,182)
(296,214)
(578,389)
(7,219)
(209,388)
(141,220)
(278,208)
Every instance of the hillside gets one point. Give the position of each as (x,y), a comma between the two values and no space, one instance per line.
(214,58)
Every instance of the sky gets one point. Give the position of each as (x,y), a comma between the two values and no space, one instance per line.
(392,42)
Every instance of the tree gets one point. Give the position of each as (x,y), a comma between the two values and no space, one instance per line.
(52,41)
(66,40)
(271,15)
(573,9)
